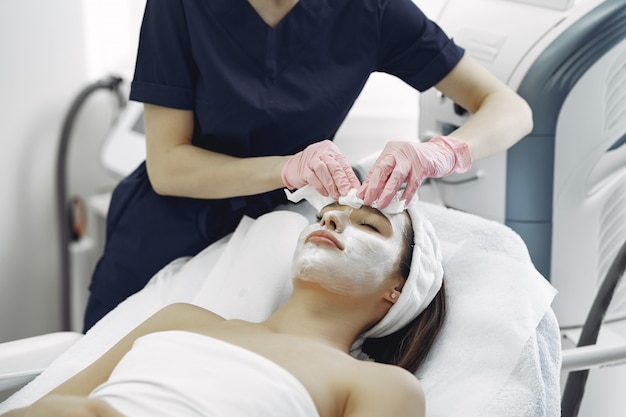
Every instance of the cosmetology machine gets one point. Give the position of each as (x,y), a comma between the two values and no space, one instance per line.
(563,187)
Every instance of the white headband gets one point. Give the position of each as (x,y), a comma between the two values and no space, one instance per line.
(426,272)
(422,284)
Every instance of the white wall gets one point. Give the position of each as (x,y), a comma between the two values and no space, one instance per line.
(42,66)
(111,35)
(46,57)
(387,109)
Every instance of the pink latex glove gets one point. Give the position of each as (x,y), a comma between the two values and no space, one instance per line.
(411,163)
(323,166)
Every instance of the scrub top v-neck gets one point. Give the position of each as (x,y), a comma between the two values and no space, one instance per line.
(254,90)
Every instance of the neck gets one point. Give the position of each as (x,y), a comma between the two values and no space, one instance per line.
(332,319)
(273,11)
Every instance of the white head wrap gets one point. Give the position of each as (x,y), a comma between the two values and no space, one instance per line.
(426,272)
(422,284)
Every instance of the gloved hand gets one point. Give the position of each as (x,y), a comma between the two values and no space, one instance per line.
(411,163)
(323,166)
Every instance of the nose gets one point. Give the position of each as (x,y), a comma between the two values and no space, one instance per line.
(336,220)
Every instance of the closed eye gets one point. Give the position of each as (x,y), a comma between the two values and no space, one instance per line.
(371,226)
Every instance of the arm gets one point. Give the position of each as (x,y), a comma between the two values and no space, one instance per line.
(385,390)
(499,117)
(178,168)
(73,392)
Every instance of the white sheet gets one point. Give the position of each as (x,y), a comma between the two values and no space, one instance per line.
(496,300)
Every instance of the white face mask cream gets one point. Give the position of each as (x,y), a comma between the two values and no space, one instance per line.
(344,254)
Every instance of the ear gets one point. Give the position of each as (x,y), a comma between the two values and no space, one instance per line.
(392,296)
(393,293)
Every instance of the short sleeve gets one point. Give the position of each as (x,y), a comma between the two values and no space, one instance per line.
(164,70)
(413,47)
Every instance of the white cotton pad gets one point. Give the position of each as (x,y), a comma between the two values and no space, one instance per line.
(318,201)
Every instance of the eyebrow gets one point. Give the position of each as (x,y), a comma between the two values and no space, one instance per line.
(372,210)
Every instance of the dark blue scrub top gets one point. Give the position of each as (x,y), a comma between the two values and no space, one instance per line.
(257,90)
(254,91)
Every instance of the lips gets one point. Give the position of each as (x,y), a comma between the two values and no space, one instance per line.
(324,238)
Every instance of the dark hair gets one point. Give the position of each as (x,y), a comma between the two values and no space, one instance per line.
(409,346)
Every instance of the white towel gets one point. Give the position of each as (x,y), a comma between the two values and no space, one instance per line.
(533,388)
(496,299)
(252,276)
(178,373)
(424,280)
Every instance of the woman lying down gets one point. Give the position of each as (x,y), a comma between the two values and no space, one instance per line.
(358,273)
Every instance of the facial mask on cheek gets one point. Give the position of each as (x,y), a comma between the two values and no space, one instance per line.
(364,264)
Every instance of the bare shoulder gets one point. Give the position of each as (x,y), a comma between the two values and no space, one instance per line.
(380,389)
(182,316)
(173,317)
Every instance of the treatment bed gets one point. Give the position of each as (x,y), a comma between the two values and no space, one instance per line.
(499,352)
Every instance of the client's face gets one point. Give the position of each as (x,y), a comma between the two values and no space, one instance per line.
(350,251)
